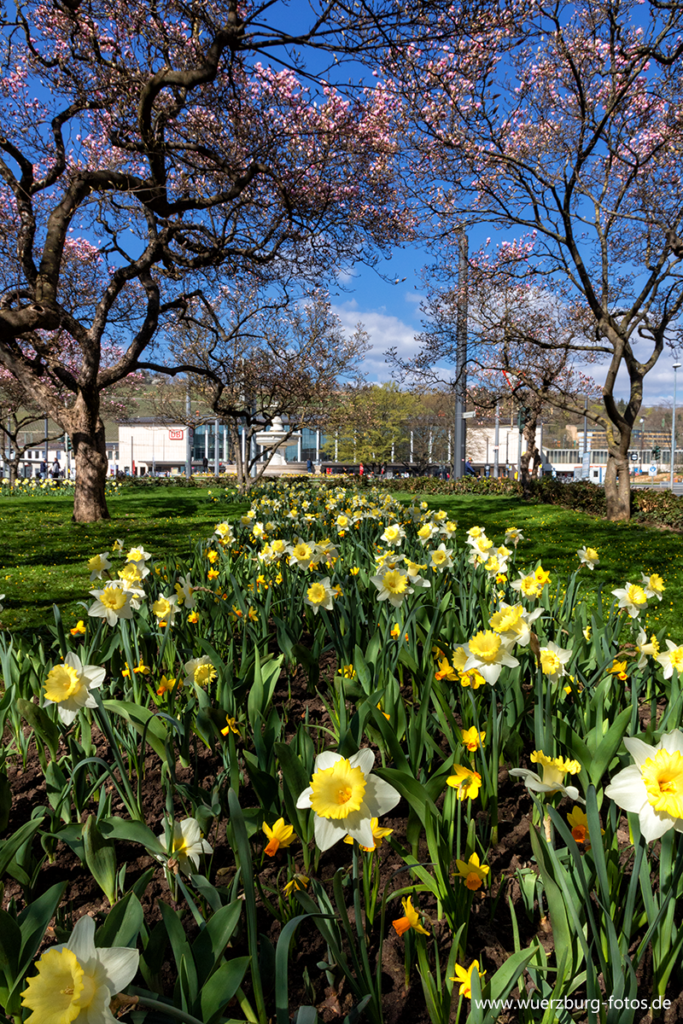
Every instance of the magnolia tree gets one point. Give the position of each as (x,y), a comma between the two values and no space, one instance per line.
(142,148)
(559,124)
(250,356)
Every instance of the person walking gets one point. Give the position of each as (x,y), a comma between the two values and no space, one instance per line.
(55,471)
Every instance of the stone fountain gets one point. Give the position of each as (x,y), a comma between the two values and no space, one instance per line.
(274,437)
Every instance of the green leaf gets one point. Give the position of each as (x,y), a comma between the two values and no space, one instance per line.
(213,939)
(40,721)
(122,924)
(221,987)
(10,846)
(100,856)
(143,721)
(132,832)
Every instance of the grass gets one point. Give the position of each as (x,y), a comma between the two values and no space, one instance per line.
(46,554)
(553,535)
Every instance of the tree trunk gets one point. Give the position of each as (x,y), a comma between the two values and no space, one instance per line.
(12,474)
(90,452)
(529,434)
(618,487)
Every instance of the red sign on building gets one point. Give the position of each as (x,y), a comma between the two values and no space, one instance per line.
(175,435)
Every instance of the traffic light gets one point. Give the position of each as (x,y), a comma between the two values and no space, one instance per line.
(67,442)
(522,417)
(656,452)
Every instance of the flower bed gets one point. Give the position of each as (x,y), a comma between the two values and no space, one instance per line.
(340,759)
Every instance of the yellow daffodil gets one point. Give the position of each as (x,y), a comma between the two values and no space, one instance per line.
(378,834)
(472,872)
(79,628)
(280,836)
(554,771)
(69,685)
(167,683)
(297,883)
(230,727)
(472,739)
(463,977)
(411,919)
(466,781)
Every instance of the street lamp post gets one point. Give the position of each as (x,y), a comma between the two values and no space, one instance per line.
(459,433)
(673,428)
(642,435)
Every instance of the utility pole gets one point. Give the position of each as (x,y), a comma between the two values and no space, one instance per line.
(216,453)
(188,441)
(673,427)
(460,431)
(496,442)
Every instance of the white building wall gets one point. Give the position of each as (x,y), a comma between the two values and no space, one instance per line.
(145,445)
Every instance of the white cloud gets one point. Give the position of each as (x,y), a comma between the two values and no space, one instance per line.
(385,331)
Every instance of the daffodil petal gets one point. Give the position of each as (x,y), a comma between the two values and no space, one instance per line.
(364,760)
(639,751)
(305,798)
(326,760)
(120,965)
(628,790)
(379,796)
(327,832)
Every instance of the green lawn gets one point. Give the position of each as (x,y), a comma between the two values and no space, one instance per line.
(45,553)
(554,535)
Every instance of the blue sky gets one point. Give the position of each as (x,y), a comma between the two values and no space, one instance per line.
(391,315)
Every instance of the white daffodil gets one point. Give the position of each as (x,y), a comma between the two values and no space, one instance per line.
(487,653)
(394,535)
(393,586)
(513,623)
(166,608)
(199,671)
(225,534)
(646,650)
(554,771)
(302,554)
(495,566)
(187,845)
(69,685)
(631,597)
(441,558)
(138,555)
(134,590)
(97,565)
(185,593)
(320,595)
(553,660)
(111,604)
(77,981)
(588,557)
(652,787)
(653,585)
(426,532)
(671,659)
(345,797)
(513,536)
(528,585)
